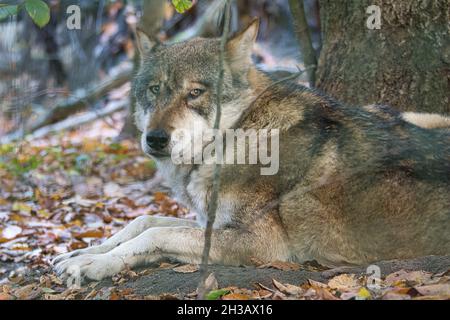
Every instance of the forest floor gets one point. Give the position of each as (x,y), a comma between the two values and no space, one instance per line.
(77,188)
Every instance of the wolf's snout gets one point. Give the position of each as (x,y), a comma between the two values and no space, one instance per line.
(157,139)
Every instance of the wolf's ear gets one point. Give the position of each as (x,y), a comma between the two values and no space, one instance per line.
(239,48)
(145,43)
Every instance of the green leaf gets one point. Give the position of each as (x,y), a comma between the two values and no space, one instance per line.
(182,5)
(7,11)
(48,290)
(216,294)
(150,164)
(38,11)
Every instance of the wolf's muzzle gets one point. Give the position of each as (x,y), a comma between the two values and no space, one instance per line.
(157,139)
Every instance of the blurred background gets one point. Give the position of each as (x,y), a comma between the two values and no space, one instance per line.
(45,67)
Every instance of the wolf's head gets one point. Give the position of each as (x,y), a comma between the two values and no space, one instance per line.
(175,87)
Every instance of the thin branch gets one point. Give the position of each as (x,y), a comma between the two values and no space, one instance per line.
(213,203)
(304,38)
(205,26)
(68,123)
(75,104)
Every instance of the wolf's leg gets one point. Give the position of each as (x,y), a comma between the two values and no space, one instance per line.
(229,247)
(135,228)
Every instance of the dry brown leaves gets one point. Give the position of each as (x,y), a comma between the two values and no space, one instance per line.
(402,285)
(69,191)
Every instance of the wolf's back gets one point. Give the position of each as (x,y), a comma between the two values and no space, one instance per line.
(426,152)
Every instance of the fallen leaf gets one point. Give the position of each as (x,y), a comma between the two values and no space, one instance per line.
(22,208)
(442,274)
(402,276)
(5,296)
(48,290)
(317,284)
(216,294)
(363,294)
(80,201)
(91,294)
(263,287)
(89,234)
(349,295)
(4,215)
(264,294)
(159,196)
(434,290)
(113,190)
(75,245)
(168,296)
(165,265)
(11,232)
(187,268)
(115,296)
(344,282)
(28,292)
(287,288)
(325,294)
(235,296)
(395,296)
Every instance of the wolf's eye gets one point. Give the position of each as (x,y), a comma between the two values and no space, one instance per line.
(195,93)
(154,89)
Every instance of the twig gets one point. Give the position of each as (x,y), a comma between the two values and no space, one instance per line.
(304,38)
(73,105)
(213,203)
(68,123)
(205,25)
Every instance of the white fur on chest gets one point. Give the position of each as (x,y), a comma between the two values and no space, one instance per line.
(192,190)
(198,190)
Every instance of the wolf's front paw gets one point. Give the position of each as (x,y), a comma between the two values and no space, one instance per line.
(90,250)
(90,266)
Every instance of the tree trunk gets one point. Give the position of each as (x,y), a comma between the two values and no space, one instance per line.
(405,64)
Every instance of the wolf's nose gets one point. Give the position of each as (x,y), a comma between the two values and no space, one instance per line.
(157,139)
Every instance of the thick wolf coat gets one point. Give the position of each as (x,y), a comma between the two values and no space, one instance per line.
(355,184)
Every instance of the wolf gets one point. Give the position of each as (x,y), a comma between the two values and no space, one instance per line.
(355,185)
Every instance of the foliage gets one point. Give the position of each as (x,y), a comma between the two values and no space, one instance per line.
(217,294)
(7,11)
(17,165)
(182,5)
(38,11)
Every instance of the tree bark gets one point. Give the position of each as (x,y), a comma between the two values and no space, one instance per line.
(304,38)
(405,64)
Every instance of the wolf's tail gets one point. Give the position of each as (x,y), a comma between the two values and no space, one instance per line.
(427,120)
